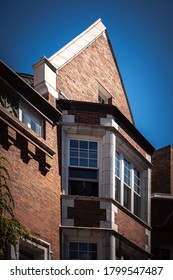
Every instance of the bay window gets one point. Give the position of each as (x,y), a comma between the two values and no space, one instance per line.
(127,184)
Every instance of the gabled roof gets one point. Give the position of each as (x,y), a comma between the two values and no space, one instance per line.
(77,45)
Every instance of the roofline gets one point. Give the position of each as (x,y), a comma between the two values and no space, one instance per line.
(28,92)
(119,73)
(102,30)
(108,109)
(75,39)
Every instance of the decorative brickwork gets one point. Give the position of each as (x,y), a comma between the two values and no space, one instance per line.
(87,117)
(86,213)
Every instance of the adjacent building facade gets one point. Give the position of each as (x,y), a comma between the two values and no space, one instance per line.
(81,171)
(162,203)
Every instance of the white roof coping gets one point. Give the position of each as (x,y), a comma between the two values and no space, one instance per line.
(78,44)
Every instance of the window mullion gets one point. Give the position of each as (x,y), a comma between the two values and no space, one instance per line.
(132,187)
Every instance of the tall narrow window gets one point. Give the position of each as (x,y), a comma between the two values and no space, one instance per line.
(127,187)
(83,170)
(117,177)
(137,197)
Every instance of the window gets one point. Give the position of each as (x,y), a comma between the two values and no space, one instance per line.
(100,100)
(104,96)
(33,250)
(83,172)
(117,177)
(82,251)
(137,197)
(130,186)
(9,102)
(31,119)
(21,111)
(127,185)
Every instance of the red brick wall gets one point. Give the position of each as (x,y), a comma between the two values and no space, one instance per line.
(36,192)
(79,78)
(131,229)
(161,171)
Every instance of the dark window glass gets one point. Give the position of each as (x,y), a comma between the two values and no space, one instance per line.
(137,205)
(117,189)
(127,197)
(82,251)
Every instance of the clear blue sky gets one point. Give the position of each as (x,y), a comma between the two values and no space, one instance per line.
(141,33)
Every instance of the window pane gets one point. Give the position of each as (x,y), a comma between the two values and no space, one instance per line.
(83,154)
(74,161)
(83,144)
(74,143)
(127,197)
(83,162)
(73,153)
(127,172)
(93,145)
(92,163)
(92,154)
(137,205)
(83,188)
(117,189)
(73,246)
(83,173)
(83,246)
(84,251)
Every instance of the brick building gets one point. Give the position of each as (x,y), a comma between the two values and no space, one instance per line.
(80,169)
(162,203)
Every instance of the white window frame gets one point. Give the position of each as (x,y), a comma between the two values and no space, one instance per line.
(80,167)
(39,248)
(130,183)
(32,116)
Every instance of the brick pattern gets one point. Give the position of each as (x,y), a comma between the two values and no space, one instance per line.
(131,229)
(86,213)
(80,77)
(87,117)
(36,190)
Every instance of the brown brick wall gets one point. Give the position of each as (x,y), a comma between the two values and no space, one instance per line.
(131,229)
(79,78)
(161,171)
(36,189)
(86,213)
(87,117)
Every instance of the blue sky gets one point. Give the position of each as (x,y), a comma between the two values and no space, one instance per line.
(141,33)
